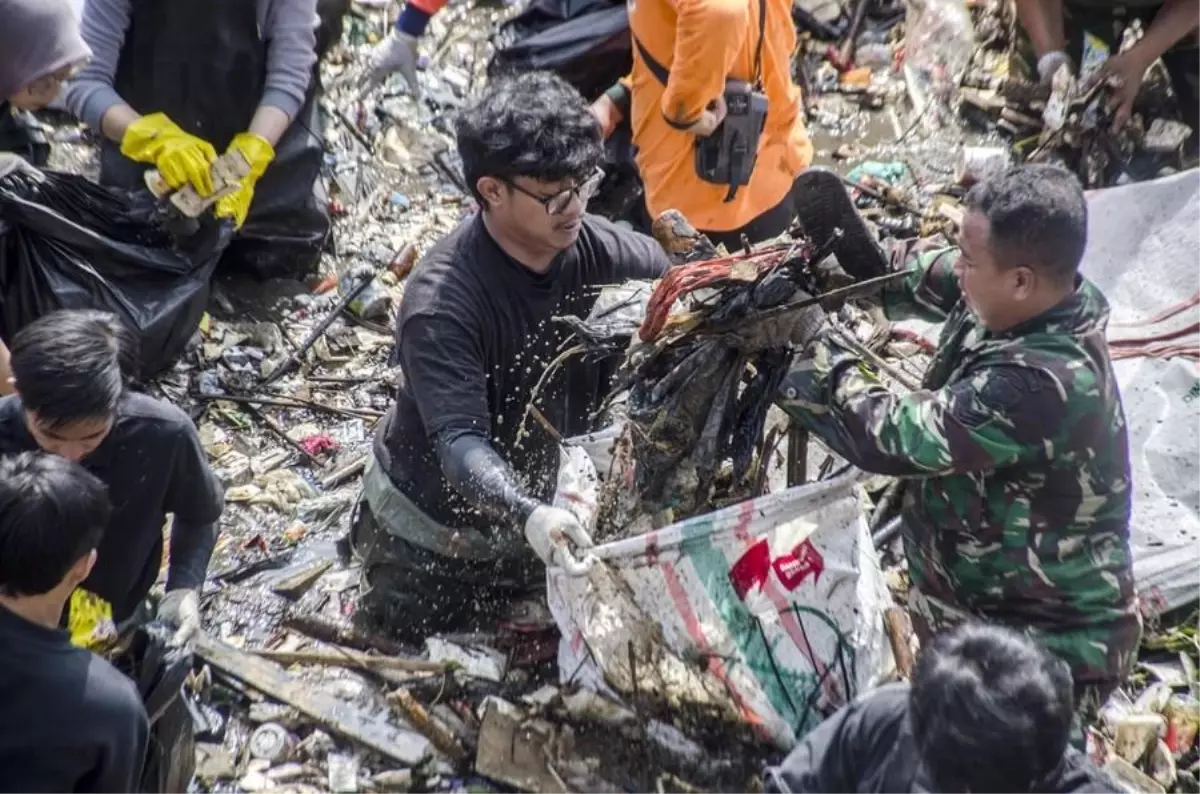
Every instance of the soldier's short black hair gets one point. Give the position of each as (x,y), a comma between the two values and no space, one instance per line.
(533,125)
(73,365)
(1036,212)
(990,710)
(52,513)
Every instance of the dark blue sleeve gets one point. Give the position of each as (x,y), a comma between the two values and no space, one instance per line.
(840,752)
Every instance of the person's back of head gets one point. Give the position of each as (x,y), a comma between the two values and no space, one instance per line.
(990,710)
(71,369)
(53,513)
(1037,216)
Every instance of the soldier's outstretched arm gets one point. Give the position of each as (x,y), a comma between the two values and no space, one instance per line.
(930,289)
(1000,415)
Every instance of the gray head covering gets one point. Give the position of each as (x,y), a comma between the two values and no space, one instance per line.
(37,38)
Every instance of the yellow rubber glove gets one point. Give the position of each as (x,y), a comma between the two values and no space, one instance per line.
(258,153)
(90,621)
(180,157)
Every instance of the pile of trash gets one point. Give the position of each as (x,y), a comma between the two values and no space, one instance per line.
(1149,741)
(732,609)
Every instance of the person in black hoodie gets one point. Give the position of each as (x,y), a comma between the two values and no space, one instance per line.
(71,721)
(988,710)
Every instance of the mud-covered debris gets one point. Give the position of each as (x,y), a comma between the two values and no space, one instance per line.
(477,661)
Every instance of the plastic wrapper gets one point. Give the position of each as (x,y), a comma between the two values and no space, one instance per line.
(939,40)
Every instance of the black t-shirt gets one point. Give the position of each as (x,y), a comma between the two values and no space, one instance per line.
(475,335)
(153,464)
(71,721)
(868,746)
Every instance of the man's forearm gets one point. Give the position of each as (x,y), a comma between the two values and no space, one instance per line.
(192,546)
(1176,20)
(1043,23)
(270,123)
(116,120)
(483,478)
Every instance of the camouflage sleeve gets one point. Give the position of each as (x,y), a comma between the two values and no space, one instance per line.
(930,289)
(1002,413)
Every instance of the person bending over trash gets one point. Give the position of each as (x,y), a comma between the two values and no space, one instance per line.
(173,83)
(71,722)
(988,710)
(461,470)
(711,74)
(40,47)
(72,399)
(1057,29)
(1014,454)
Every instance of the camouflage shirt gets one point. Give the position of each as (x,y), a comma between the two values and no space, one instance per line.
(1018,505)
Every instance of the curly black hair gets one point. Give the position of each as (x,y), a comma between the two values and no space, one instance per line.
(533,125)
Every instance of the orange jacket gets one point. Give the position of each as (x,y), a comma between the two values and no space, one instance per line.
(703,42)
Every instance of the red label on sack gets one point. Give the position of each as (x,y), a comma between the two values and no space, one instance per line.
(751,569)
(792,569)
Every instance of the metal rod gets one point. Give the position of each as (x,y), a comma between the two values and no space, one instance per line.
(296,356)
(797,458)
(885,536)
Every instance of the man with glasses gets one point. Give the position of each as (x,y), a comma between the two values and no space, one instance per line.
(456,499)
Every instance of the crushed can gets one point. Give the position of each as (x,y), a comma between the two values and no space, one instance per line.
(272,742)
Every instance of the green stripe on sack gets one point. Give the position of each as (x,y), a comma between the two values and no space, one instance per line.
(791,693)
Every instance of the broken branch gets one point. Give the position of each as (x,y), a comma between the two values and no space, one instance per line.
(416,715)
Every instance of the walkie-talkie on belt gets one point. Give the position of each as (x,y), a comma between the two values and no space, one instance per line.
(728,155)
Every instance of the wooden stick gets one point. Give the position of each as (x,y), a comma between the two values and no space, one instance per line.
(901,377)
(274,427)
(289,402)
(416,716)
(895,622)
(345,473)
(345,657)
(368,728)
(326,630)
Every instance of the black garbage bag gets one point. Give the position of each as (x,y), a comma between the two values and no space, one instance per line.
(288,223)
(67,243)
(586,42)
(159,671)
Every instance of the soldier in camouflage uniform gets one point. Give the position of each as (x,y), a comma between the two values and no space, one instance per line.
(1014,453)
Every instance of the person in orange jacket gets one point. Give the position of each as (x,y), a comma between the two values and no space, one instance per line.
(701,44)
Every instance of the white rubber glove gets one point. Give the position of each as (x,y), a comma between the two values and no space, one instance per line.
(1049,64)
(551,531)
(181,608)
(396,53)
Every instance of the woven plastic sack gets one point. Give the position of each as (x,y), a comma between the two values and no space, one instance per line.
(778,600)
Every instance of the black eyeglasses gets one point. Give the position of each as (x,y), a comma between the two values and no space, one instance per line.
(557,203)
